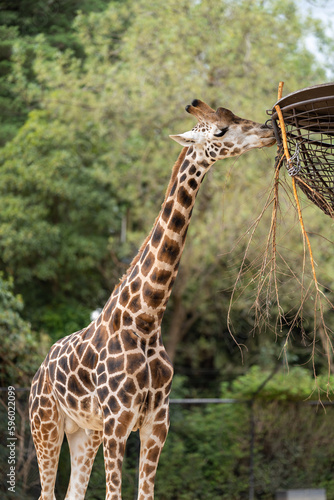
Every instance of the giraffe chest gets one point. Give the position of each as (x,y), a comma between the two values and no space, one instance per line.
(139,383)
(126,375)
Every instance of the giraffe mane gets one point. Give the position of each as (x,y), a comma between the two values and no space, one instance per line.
(175,170)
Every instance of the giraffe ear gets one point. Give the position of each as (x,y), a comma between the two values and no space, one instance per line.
(185,139)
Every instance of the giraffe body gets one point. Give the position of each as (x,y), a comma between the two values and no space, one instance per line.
(99,384)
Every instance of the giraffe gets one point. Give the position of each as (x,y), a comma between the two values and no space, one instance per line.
(113,377)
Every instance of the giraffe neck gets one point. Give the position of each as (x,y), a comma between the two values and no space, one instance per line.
(139,301)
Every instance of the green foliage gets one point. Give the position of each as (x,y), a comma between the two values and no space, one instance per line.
(56,213)
(295,384)
(209,450)
(20,348)
(53,18)
(12,108)
(21,21)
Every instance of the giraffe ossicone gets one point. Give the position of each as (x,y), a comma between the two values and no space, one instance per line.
(99,384)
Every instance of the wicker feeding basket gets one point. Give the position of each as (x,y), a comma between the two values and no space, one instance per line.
(308,116)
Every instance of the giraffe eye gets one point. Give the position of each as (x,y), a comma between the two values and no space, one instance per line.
(222,132)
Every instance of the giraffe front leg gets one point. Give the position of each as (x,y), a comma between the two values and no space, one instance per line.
(47,428)
(48,438)
(83,447)
(113,450)
(116,432)
(153,435)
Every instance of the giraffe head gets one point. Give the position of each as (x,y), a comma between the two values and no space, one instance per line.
(221,134)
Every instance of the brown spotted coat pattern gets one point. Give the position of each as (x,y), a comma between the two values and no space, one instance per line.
(99,384)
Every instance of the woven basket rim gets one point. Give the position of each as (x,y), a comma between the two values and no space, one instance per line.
(323,91)
(316,98)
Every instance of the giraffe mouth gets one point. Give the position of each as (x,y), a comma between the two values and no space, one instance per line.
(271,143)
(271,138)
